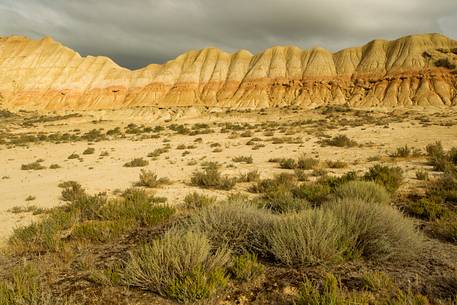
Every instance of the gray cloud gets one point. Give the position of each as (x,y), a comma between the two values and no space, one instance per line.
(138,32)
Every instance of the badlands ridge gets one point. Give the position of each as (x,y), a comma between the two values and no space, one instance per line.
(417,70)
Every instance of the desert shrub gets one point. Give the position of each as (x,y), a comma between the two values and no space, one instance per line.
(336,164)
(195,200)
(315,193)
(437,156)
(89,151)
(245,159)
(452,155)
(149,179)
(390,177)
(73,156)
(54,166)
(445,187)
(422,174)
(288,163)
(72,190)
(310,237)
(101,231)
(235,223)
(366,191)
(210,177)
(25,287)
(340,141)
(282,200)
(137,162)
(250,176)
(87,207)
(157,152)
(43,235)
(300,174)
(246,267)
(306,163)
(33,166)
(401,152)
(428,208)
(446,229)
(376,231)
(183,266)
(283,180)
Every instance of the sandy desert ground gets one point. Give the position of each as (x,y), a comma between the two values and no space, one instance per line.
(378,133)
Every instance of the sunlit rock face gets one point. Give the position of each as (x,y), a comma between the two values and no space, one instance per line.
(414,70)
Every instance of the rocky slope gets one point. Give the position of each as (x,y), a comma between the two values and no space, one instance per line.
(413,70)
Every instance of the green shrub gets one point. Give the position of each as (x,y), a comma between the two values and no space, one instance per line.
(376,231)
(288,163)
(445,187)
(101,231)
(72,190)
(33,166)
(196,201)
(137,162)
(389,177)
(282,200)
(245,159)
(250,176)
(308,238)
(210,177)
(366,191)
(283,180)
(340,141)
(402,152)
(446,229)
(427,208)
(149,179)
(246,267)
(306,163)
(235,223)
(180,265)
(315,193)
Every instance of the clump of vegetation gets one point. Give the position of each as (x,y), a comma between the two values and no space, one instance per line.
(196,201)
(150,179)
(54,166)
(137,162)
(402,152)
(365,191)
(33,166)
(157,152)
(246,267)
(180,265)
(73,156)
(241,159)
(340,141)
(211,177)
(421,174)
(389,177)
(250,176)
(89,151)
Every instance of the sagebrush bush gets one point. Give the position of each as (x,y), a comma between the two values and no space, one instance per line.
(246,267)
(89,151)
(402,152)
(427,208)
(72,190)
(340,141)
(307,238)
(33,166)
(211,177)
(282,200)
(250,176)
(288,163)
(149,179)
(245,159)
(366,191)
(235,223)
(446,229)
(390,177)
(195,200)
(181,265)
(375,230)
(137,162)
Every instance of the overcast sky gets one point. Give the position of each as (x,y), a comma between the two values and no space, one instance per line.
(138,32)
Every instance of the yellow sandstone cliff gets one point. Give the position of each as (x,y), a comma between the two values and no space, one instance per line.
(413,70)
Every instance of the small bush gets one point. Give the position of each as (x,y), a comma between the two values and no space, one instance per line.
(315,193)
(245,159)
(246,267)
(376,231)
(73,156)
(340,141)
(307,238)
(137,162)
(366,191)
(427,208)
(288,163)
(250,176)
(282,200)
(402,152)
(336,164)
(89,151)
(306,163)
(33,166)
(196,201)
(149,179)
(180,265)
(390,177)
(72,190)
(422,174)
(210,177)
(446,229)
(54,166)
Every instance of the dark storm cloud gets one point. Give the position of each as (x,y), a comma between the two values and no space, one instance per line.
(138,32)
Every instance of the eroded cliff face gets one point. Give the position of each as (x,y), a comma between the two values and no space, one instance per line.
(413,70)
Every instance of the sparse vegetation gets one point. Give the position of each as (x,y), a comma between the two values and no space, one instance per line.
(137,162)
(211,177)
(150,179)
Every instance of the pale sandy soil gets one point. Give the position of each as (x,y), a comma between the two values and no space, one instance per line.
(106,174)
